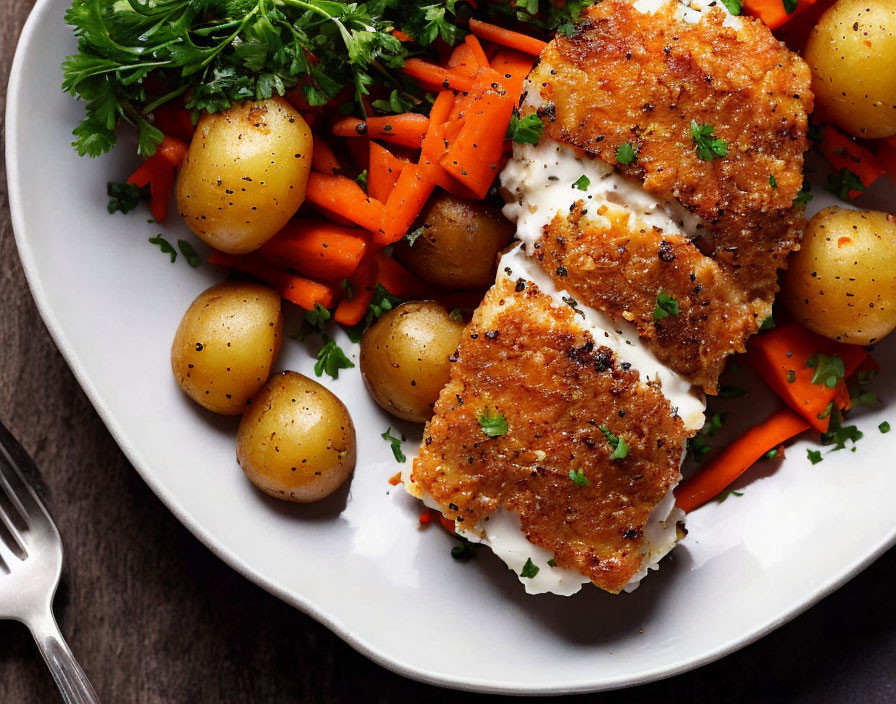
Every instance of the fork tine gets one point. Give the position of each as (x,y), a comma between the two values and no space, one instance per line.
(15,465)
(11,537)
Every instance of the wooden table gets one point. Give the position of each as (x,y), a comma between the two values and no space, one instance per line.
(155,617)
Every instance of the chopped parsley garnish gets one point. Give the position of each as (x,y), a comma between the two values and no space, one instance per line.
(804,195)
(843,183)
(361,179)
(619,445)
(728,492)
(709,147)
(838,434)
(771,454)
(529,569)
(525,130)
(314,322)
(164,245)
(733,6)
(545,16)
(884,427)
(791,376)
(124,197)
(866,398)
(397,102)
(665,306)
(626,153)
(772,181)
(189,253)
(457,315)
(492,423)
(767,324)
(828,370)
(382,302)
(582,183)
(698,447)
(396,444)
(790,6)
(464,551)
(578,477)
(814,456)
(349,289)
(826,412)
(331,359)
(552,562)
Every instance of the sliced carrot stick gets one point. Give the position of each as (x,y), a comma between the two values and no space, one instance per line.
(345,197)
(513,67)
(360,152)
(476,48)
(407,199)
(303,292)
(780,355)
(158,173)
(383,172)
(351,310)
(507,37)
(465,59)
(323,159)
(773,12)
(406,129)
(317,249)
(401,36)
(475,156)
(399,281)
(737,458)
(437,77)
(843,153)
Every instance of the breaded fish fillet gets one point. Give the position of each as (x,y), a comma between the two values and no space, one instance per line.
(565,397)
(637,78)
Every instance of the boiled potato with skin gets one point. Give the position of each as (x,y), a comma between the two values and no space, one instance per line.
(405,358)
(842,281)
(245,174)
(459,243)
(226,343)
(852,53)
(296,441)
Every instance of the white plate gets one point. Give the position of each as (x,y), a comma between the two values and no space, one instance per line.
(358,562)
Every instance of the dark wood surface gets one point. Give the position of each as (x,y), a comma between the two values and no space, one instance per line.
(153,616)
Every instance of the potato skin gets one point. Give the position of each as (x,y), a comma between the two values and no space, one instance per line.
(245,174)
(851,52)
(842,282)
(226,343)
(459,245)
(404,358)
(296,441)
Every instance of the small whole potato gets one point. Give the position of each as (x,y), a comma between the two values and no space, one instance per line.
(245,174)
(842,282)
(296,441)
(852,53)
(226,343)
(459,243)
(404,358)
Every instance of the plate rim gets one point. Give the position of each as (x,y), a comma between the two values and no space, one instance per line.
(40,12)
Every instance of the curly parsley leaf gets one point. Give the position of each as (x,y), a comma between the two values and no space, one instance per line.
(620,447)
(828,370)
(164,245)
(708,146)
(189,253)
(492,423)
(626,153)
(396,445)
(665,306)
(381,303)
(525,130)
(530,569)
(124,197)
(330,359)
(582,183)
(814,456)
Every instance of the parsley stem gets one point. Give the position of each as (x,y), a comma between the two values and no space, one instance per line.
(218,49)
(165,98)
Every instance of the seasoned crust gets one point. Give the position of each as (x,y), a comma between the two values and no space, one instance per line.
(534,364)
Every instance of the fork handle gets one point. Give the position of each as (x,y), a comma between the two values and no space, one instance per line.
(73,684)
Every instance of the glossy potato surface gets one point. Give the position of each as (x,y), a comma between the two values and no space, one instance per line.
(404,358)
(296,440)
(245,174)
(226,343)
(459,243)
(842,282)
(852,53)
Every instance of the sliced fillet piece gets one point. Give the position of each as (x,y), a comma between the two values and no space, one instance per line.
(532,359)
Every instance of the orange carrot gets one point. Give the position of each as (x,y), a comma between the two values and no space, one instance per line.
(360,152)
(351,309)
(466,60)
(425,518)
(303,292)
(317,249)
(476,49)
(345,197)
(405,202)
(780,357)
(843,153)
(737,458)
(323,159)
(773,12)
(399,281)
(507,37)
(406,129)
(436,76)
(383,172)
(158,173)
(513,67)
(475,156)
(401,36)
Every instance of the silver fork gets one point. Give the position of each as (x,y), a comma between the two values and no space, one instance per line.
(30,564)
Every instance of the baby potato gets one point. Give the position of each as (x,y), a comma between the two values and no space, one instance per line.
(226,343)
(842,282)
(245,174)
(296,441)
(404,358)
(851,52)
(459,244)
